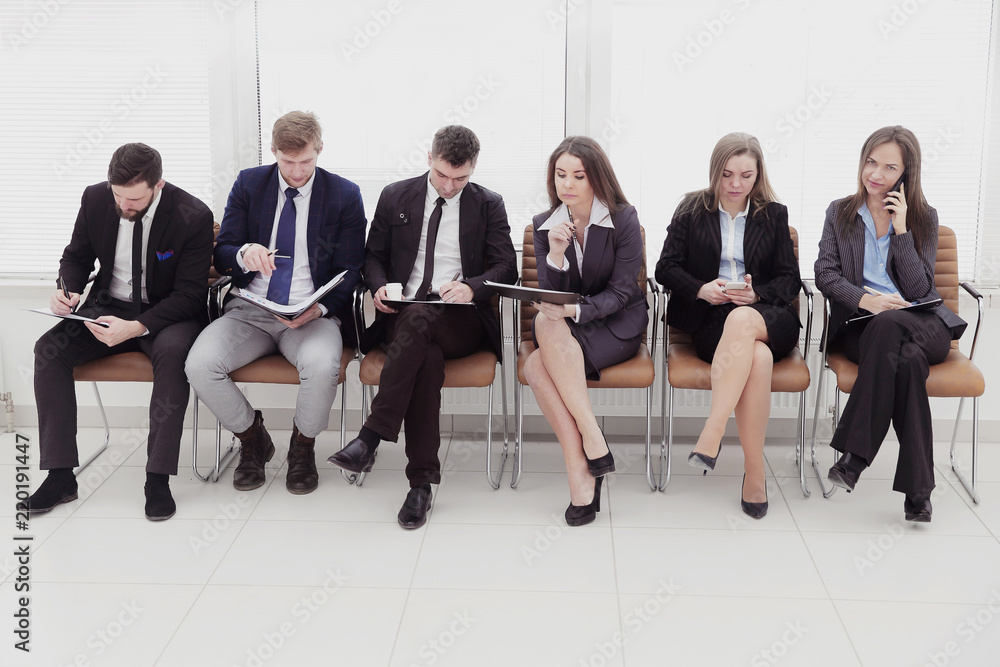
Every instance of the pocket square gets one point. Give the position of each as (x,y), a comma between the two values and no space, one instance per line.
(166,254)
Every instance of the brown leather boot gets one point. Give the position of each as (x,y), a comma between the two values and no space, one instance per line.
(256,449)
(302,477)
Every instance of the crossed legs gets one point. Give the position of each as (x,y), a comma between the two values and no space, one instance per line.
(556,374)
(741,382)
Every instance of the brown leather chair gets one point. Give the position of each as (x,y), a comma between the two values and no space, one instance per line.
(956,377)
(685,370)
(123,367)
(636,373)
(476,370)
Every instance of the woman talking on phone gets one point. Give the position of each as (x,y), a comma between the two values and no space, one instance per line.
(730,266)
(877,256)
(588,242)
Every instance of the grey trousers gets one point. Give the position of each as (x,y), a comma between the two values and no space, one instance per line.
(245,333)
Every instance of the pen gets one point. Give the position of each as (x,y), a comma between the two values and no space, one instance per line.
(873,292)
(62,286)
(272,252)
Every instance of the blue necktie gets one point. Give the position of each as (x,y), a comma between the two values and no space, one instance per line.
(281,277)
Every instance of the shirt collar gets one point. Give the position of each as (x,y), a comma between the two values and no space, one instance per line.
(303,191)
(432,194)
(600,216)
(741,214)
(869,220)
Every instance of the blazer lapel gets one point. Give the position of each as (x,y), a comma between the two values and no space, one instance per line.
(317,204)
(595,257)
(411,207)
(470,216)
(157,228)
(267,209)
(753,234)
(712,233)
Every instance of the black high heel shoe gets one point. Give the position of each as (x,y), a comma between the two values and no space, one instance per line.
(603,464)
(756,510)
(706,463)
(581,515)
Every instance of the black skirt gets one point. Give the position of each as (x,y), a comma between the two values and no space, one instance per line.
(782,329)
(600,347)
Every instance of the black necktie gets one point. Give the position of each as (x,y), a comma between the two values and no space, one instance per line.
(137,267)
(432,232)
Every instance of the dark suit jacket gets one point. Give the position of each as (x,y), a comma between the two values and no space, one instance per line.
(335,233)
(178,254)
(611,266)
(483,239)
(840,269)
(693,247)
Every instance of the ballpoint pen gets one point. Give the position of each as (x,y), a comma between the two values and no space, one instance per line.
(873,292)
(276,256)
(62,286)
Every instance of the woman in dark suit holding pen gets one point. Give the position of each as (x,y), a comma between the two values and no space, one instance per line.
(588,242)
(734,231)
(876,256)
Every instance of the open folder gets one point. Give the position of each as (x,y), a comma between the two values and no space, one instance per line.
(292,310)
(71,316)
(925,305)
(533,293)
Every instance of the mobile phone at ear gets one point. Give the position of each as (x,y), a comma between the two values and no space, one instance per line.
(736,284)
(901,181)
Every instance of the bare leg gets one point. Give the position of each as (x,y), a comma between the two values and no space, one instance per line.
(752,412)
(563,360)
(730,370)
(581,482)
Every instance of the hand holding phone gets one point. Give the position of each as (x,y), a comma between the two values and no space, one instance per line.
(736,285)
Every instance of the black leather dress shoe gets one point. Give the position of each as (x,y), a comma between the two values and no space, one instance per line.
(918,508)
(52,491)
(256,449)
(846,471)
(356,457)
(413,513)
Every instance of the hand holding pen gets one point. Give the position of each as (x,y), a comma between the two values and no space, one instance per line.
(63,302)
(456,292)
(875,302)
(258,258)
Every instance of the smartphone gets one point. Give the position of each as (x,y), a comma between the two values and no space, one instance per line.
(901,181)
(736,284)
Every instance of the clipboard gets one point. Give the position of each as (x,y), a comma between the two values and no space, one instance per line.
(533,293)
(924,305)
(292,310)
(71,316)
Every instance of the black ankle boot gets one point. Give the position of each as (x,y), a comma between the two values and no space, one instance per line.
(160,504)
(57,488)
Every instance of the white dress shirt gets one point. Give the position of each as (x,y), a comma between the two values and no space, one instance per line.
(447,252)
(302,282)
(121,272)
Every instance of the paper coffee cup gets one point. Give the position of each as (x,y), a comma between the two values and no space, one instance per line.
(394,291)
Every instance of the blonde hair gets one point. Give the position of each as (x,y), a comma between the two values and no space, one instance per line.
(296,130)
(734,143)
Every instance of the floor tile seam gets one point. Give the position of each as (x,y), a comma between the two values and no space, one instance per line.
(711,530)
(413,575)
(957,487)
(914,533)
(614,568)
(180,624)
(236,537)
(949,603)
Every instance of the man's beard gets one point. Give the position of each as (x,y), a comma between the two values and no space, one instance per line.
(135,217)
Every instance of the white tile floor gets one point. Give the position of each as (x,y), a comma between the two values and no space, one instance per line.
(266,578)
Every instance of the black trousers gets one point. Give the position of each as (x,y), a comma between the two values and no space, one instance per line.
(70,344)
(894,351)
(420,338)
